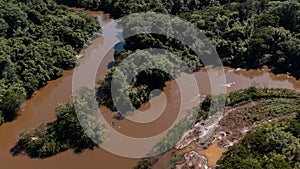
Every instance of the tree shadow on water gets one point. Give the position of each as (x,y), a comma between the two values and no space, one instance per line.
(18,149)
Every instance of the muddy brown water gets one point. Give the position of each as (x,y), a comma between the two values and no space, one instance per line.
(212,154)
(41,109)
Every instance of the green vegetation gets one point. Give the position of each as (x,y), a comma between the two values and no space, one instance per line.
(178,158)
(212,104)
(141,85)
(64,133)
(38,39)
(143,164)
(268,103)
(246,34)
(252,93)
(273,145)
(271,100)
(271,108)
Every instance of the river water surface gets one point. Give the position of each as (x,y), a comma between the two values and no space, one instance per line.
(41,109)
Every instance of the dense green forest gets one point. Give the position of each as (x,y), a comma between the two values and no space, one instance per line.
(38,40)
(246,34)
(273,145)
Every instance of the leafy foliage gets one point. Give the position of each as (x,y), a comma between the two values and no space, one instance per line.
(178,158)
(143,164)
(273,102)
(38,39)
(143,82)
(65,133)
(274,145)
(246,33)
(253,93)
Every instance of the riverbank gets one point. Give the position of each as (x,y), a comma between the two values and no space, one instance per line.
(237,121)
(37,44)
(40,108)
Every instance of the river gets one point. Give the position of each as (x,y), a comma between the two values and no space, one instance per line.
(41,109)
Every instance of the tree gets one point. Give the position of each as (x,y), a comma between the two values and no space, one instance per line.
(11,99)
(272,146)
(33,49)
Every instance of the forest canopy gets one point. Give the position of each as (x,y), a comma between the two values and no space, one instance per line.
(38,40)
(246,34)
(273,145)
(67,131)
